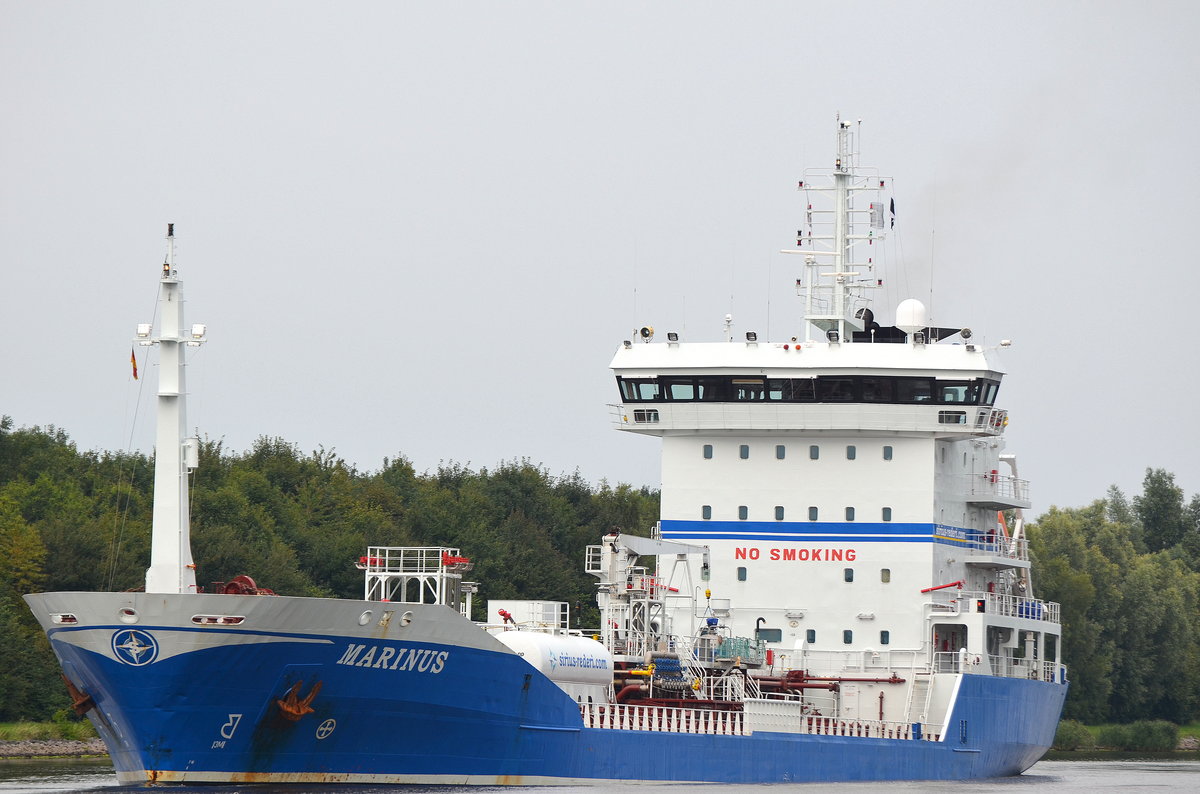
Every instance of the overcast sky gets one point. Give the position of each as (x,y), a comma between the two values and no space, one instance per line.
(422,229)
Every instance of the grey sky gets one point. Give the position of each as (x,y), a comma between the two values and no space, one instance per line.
(422,229)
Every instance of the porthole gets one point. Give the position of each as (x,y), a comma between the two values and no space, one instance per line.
(364,618)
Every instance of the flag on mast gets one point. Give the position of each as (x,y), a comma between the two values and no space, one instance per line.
(133,361)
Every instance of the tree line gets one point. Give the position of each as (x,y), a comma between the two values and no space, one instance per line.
(296,523)
(1126,571)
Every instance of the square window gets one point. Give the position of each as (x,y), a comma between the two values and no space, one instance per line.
(848,574)
(887,453)
(814,452)
(706,512)
(780,451)
(885,637)
(849,513)
(744,451)
(851,452)
(743,512)
(812,514)
(769,635)
(741,574)
(708,451)
(848,637)
(810,635)
(887,514)
(778,512)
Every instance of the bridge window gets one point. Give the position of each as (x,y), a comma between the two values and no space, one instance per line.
(875,389)
(914,390)
(961,391)
(836,390)
(878,390)
(680,389)
(751,389)
(952,417)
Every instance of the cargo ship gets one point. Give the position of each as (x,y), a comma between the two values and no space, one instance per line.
(839,587)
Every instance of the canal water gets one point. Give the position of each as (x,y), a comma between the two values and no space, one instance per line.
(95,775)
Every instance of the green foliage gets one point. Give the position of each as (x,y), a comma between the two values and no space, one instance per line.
(1128,581)
(294,522)
(1143,735)
(1114,737)
(1073,735)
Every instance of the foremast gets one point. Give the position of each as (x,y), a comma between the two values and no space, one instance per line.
(175,453)
(837,244)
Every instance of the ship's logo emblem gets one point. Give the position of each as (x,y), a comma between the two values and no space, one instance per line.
(553,660)
(135,647)
(326,728)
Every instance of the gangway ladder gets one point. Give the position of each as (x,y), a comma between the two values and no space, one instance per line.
(919,696)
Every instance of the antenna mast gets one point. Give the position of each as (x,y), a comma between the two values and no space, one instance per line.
(175,454)
(837,244)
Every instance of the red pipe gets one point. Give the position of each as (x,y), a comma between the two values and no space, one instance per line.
(629,690)
(957,584)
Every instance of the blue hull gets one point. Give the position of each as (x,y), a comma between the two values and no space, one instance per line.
(446,713)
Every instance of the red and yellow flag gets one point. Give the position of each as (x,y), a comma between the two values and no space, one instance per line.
(133,361)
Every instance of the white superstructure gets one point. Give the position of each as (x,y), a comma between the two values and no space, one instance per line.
(847,481)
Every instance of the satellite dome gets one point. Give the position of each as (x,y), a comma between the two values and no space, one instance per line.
(910,316)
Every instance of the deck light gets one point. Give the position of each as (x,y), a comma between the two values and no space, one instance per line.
(751,336)
(143,330)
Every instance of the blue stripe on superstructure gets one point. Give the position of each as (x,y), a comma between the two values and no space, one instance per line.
(824,531)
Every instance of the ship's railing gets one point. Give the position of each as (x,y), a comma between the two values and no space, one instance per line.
(412,559)
(994,487)
(666,719)
(921,418)
(1035,669)
(998,546)
(1002,666)
(1012,606)
(876,663)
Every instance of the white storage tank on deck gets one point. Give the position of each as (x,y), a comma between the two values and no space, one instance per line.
(582,667)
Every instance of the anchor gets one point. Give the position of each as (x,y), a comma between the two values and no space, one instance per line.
(292,706)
